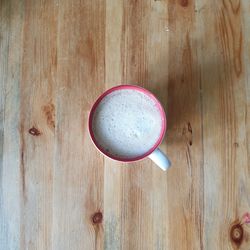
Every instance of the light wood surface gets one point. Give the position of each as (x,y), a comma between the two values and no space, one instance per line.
(58,192)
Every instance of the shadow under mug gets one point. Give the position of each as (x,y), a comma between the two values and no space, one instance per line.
(155,154)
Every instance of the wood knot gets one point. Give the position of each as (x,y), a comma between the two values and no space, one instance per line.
(236,234)
(190,128)
(184,3)
(34,131)
(97,218)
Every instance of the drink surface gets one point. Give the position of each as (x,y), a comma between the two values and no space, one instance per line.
(127,123)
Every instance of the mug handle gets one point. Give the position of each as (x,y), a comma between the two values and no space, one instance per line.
(160,159)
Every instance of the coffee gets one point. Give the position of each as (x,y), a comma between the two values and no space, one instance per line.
(127,123)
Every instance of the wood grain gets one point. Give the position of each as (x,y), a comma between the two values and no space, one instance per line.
(11,19)
(135,201)
(37,139)
(185,130)
(225,141)
(57,191)
(78,172)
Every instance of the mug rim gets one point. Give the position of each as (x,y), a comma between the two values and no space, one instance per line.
(136,88)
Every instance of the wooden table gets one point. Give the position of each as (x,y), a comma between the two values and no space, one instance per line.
(57,191)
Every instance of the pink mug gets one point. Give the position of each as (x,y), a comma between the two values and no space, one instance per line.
(155,154)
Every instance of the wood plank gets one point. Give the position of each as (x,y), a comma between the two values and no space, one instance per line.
(11,22)
(78,173)
(224,81)
(185,181)
(135,194)
(37,123)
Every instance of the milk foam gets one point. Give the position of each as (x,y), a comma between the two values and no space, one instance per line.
(127,123)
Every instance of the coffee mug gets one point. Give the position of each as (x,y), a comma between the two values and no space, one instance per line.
(127,123)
